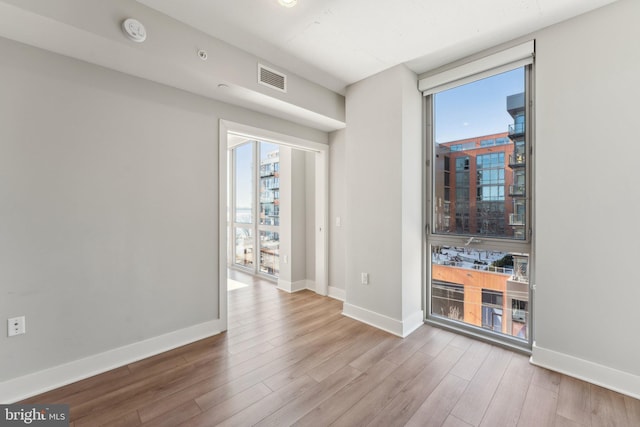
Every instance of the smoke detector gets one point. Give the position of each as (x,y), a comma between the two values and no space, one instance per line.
(134,30)
(288,3)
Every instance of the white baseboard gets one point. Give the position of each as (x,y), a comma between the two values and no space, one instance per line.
(299,285)
(20,388)
(380,321)
(337,293)
(412,323)
(604,376)
(311,285)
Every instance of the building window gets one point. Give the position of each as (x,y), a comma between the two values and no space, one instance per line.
(448,300)
(519,314)
(479,258)
(492,310)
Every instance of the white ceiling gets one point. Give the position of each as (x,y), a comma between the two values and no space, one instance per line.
(338,42)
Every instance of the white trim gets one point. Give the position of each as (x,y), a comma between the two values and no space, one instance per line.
(380,321)
(311,285)
(322,203)
(412,322)
(224,248)
(322,223)
(291,287)
(337,293)
(498,62)
(35,383)
(604,376)
(270,136)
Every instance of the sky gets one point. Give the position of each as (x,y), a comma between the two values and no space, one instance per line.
(477,108)
(244,171)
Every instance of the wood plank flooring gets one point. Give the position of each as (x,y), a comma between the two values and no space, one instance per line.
(293,359)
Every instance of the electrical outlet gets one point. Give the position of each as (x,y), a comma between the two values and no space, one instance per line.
(364,278)
(285,259)
(16,326)
(338,221)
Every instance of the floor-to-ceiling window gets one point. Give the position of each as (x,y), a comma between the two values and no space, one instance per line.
(269,202)
(479,203)
(255,195)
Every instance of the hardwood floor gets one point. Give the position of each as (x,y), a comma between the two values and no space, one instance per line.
(293,359)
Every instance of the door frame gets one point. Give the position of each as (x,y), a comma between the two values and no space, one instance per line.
(321,209)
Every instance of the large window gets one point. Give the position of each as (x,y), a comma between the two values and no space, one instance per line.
(256,213)
(479,204)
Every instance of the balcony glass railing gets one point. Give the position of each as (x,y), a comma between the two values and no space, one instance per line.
(517,159)
(461,264)
(516,128)
(516,190)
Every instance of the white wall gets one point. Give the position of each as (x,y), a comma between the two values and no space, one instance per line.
(284,278)
(586,304)
(337,209)
(90,30)
(108,208)
(383,188)
(298,255)
(297,203)
(310,217)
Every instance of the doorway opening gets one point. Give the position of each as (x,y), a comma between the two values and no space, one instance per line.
(254,218)
(258,227)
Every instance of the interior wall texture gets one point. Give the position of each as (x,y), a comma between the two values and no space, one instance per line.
(310,216)
(373,241)
(298,253)
(337,209)
(108,207)
(587,92)
(384,199)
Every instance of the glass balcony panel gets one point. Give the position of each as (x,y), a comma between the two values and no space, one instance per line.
(517,190)
(269,253)
(243,247)
(481,288)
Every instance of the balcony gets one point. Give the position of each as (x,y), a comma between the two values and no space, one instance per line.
(516,130)
(516,219)
(267,199)
(517,190)
(517,160)
(268,171)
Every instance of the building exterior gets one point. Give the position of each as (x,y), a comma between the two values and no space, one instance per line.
(269,239)
(471,197)
(480,190)
(517,163)
(270,189)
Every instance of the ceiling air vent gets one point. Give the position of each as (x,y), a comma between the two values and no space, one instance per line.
(272,78)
